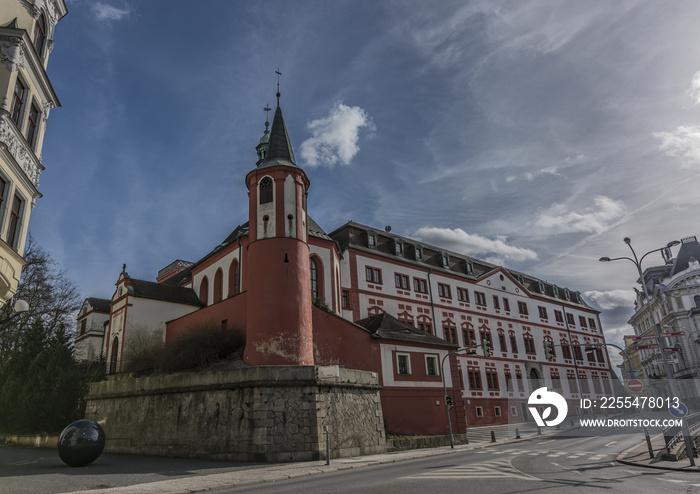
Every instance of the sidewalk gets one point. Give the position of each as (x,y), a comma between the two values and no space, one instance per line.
(639,456)
(244,477)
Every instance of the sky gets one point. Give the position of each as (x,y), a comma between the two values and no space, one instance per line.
(534,134)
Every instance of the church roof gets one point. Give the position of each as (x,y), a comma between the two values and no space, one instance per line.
(388,327)
(163,291)
(279,148)
(99,304)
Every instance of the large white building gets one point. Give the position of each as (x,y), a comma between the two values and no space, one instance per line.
(26,96)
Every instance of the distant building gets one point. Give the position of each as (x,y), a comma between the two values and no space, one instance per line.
(674,289)
(93,317)
(367,299)
(26,96)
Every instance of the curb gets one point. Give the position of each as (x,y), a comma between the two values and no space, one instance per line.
(621,459)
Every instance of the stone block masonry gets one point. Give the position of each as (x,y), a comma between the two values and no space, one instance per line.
(259,414)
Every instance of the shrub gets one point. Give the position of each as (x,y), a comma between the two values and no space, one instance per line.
(202,346)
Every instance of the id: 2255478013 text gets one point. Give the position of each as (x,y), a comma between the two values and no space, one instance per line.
(629,403)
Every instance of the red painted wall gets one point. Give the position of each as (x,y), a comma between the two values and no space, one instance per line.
(279,326)
(232,310)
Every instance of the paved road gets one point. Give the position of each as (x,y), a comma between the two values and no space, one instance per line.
(41,471)
(558,465)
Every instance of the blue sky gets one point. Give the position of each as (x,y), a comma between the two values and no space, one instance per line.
(536,134)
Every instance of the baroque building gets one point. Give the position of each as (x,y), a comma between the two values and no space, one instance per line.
(674,300)
(26,97)
(363,298)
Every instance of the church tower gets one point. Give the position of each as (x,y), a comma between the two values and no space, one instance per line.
(279,328)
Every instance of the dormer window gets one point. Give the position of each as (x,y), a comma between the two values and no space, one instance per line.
(555,289)
(399,248)
(419,253)
(567,295)
(540,286)
(265,190)
(445,260)
(371,241)
(470,268)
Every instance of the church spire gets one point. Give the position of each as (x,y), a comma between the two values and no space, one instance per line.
(279,149)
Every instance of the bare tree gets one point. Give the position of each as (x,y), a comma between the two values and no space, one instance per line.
(52,297)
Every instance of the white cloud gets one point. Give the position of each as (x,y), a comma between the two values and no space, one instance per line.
(105,12)
(458,240)
(612,299)
(596,219)
(334,138)
(684,143)
(694,91)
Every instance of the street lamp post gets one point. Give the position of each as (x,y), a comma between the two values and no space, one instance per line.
(487,353)
(689,445)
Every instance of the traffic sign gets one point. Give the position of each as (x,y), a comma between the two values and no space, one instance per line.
(675,333)
(635,385)
(646,347)
(672,349)
(645,337)
(678,410)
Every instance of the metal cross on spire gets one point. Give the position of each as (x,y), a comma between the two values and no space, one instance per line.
(278,86)
(267,113)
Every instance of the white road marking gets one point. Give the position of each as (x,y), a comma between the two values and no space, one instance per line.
(491,469)
(609,445)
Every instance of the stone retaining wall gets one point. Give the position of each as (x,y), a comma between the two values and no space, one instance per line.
(275,413)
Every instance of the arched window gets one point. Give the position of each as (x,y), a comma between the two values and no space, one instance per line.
(265,190)
(314,277)
(316,273)
(114,355)
(234,279)
(204,291)
(218,285)
(39,35)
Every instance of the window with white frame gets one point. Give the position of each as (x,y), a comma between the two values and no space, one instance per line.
(431,365)
(403,364)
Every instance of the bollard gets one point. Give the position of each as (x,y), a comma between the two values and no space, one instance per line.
(651,450)
(539,431)
(493,437)
(328,446)
(517,433)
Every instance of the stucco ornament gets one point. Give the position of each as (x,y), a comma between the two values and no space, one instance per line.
(19,151)
(11,53)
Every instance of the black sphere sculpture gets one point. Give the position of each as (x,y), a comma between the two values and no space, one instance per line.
(81,443)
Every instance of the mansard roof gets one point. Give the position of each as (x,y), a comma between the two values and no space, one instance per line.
(690,248)
(162,291)
(422,255)
(387,327)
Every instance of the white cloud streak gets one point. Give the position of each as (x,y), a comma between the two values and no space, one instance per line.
(612,299)
(683,143)
(105,12)
(596,219)
(694,91)
(334,138)
(458,240)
